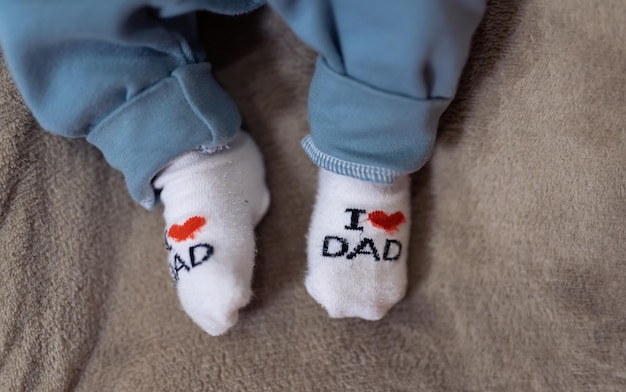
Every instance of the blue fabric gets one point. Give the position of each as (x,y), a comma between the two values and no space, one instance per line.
(129,75)
(387,71)
(369,133)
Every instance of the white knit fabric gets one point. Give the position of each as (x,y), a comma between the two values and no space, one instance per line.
(357,246)
(212,203)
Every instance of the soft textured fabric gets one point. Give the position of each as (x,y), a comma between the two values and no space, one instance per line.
(357,245)
(518,240)
(211,204)
(132,77)
(385,74)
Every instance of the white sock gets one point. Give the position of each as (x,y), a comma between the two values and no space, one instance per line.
(357,246)
(212,203)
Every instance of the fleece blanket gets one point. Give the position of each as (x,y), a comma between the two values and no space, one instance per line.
(517,260)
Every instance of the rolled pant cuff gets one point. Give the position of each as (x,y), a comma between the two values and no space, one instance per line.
(355,170)
(187,110)
(368,133)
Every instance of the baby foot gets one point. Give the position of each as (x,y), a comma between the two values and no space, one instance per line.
(357,246)
(212,203)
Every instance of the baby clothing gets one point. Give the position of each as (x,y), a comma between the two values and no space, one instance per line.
(130,76)
(212,203)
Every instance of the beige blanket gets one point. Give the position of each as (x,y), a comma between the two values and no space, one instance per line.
(518,252)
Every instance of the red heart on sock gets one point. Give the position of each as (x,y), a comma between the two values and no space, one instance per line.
(389,223)
(187,230)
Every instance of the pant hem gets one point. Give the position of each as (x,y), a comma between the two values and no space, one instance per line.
(351,169)
(178,114)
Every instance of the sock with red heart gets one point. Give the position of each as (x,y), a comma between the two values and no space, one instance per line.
(212,203)
(357,245)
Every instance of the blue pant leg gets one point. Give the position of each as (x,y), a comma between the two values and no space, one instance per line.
(128,75)
(386,72)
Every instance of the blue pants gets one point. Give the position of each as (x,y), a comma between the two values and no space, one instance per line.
(130,76)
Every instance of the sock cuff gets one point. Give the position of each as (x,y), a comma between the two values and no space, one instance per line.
(332,180)
(199,157)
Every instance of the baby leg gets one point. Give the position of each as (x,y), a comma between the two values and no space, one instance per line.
(130,77)
(385,74)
